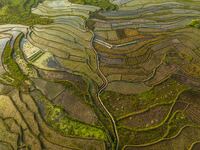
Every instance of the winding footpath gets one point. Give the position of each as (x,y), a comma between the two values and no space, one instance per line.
(105,83)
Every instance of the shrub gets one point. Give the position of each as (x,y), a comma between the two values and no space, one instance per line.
(195,23)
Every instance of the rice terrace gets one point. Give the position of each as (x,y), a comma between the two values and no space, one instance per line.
(100,75)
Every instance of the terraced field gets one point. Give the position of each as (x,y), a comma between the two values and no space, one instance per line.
(100,75)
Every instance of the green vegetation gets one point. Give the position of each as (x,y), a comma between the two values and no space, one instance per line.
(68,126)
(142,137)
(104,4)
(169,128)
(58,119)
(12,66)
(164,93)
(74,89)
(195,23)
(178,121)
(19,12)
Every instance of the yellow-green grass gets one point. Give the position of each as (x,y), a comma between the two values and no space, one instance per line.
(19,12)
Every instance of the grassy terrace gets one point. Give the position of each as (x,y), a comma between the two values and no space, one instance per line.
(104,4)
(60,108)
(57,117)
(165,93)
(11,65)
(18,12)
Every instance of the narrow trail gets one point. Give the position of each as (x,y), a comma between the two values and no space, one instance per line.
(105,84)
